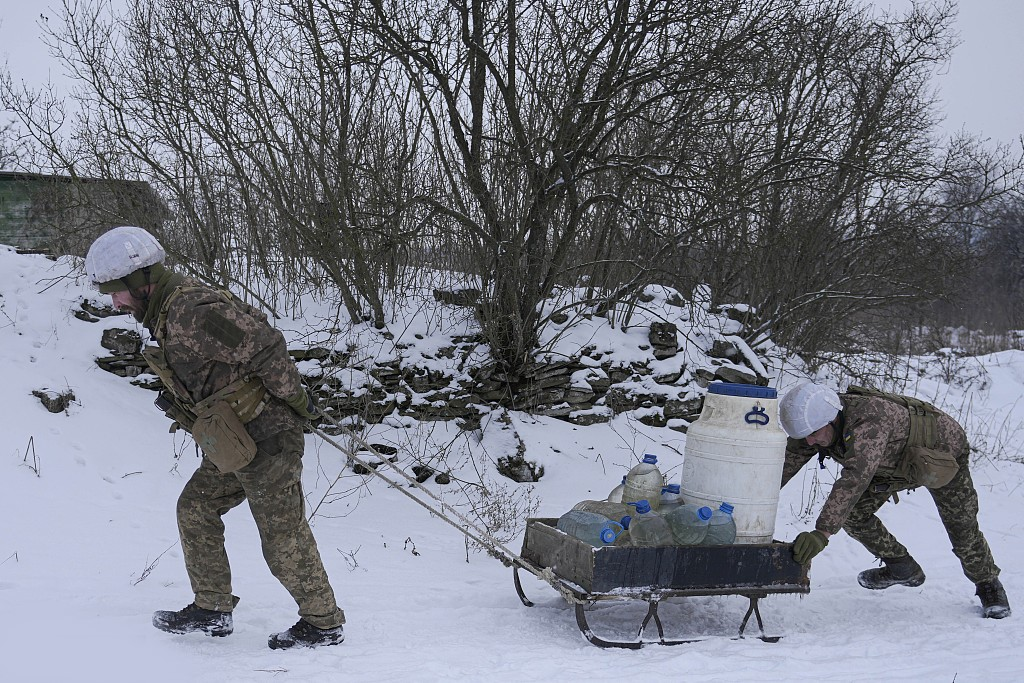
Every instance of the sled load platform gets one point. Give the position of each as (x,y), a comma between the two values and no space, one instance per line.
(584,575)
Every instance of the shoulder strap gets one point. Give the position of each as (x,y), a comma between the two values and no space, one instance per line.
(924,429)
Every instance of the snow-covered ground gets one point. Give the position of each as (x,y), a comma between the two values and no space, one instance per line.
(88,546)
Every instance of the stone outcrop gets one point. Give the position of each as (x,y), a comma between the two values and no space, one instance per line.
(663,388)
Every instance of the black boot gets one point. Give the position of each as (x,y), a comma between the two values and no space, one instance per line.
(903,571)
(193,618)
(304,634)
(994,604)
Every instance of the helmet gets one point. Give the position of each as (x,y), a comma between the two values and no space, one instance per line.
(807,408)
(118,254)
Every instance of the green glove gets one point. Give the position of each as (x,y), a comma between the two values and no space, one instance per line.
(302,403)
(807,544)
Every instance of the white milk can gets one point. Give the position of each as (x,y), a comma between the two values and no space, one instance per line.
(734,454)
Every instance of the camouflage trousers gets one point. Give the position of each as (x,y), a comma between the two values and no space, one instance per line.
(957,503)
(272,485)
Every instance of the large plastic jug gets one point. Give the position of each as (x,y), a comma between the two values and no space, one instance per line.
(735,452)
(689,523)
(670,498)
(648,528)
(644,482)
(721,527)
(617,512)
(615,496)
(589,527)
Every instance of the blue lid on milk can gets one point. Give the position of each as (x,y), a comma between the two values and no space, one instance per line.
(742,390)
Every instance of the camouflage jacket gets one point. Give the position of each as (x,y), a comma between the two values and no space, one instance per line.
(872,435)
(209,343)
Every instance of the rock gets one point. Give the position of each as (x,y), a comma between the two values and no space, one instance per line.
(703,377)
(131,365)
(560,318)
(54,401)
(422,380)
(422,473)
(676,409)
(99,310)
(457,297)
(653,418)
(359,469)
(578,395)
(590,417)
(669,377)
(561,410)
(86,316)
(312,353)
(735,375)
(519,469)
(663,339)
(724,349)
(619,400)
(121,341)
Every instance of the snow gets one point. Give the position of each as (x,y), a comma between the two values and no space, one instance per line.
(88,541)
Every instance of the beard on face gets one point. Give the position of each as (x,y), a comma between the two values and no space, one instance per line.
(132,305)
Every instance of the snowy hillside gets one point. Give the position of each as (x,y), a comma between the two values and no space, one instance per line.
(88,541)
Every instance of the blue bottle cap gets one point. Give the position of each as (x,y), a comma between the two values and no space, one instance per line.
(670,488)
(642,506)
(626,519)
(726,508)
(704,512)
(609,533)
(650,459)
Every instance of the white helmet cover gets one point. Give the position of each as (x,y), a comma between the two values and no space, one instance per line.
(119,252)
(807,408)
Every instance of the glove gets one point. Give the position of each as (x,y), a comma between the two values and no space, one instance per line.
(807,544)
(302,403)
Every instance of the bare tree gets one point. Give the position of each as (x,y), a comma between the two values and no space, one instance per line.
(842,216)
(552,120)
(280,154)
(782,151)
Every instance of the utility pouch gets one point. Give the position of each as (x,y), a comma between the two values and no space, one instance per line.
(922,464)
(928,467)
(222,436)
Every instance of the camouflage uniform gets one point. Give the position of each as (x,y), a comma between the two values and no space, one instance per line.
(872,434)
(210,343)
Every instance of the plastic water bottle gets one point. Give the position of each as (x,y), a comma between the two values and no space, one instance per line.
(689,523)
(616,512)
(721,527)
(670,498)
(648,528)
(589,527)
(616,494)
(644,482)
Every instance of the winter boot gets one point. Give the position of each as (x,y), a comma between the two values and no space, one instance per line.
(304,634)
(903,571)
(193,618)
(994,604)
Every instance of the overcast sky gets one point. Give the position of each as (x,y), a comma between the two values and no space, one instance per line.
(982,89)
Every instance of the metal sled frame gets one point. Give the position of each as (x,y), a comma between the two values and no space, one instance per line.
(584,575)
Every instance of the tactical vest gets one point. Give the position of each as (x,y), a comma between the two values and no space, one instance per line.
(921,462)
(923,428)
(246,396)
